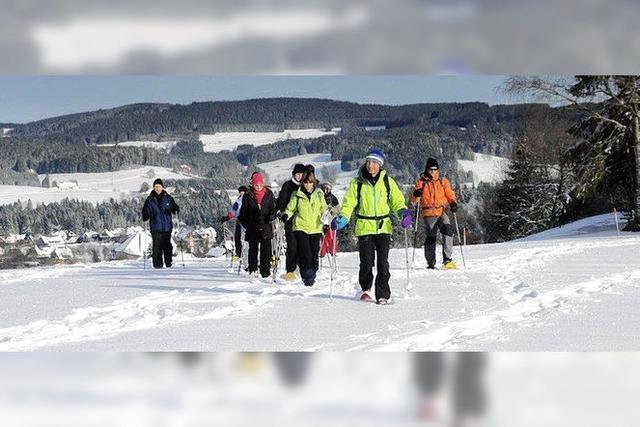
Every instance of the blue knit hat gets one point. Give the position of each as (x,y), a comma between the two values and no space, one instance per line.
(377,156)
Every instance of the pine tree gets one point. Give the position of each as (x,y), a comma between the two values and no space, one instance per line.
(526,202)
(607,156)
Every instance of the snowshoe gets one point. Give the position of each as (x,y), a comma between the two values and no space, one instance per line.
(364,296)
(290,276)
(249,363)
(450,265)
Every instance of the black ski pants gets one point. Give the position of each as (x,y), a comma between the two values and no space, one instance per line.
(238,239)
(263,247)
(292,247)
(368,247)
(162,246)
(308,246)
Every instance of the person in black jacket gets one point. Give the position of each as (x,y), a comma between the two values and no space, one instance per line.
(257,212)
(158,210)
(288,189)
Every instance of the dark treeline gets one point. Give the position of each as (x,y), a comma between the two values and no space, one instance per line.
(23,157)
(44,156)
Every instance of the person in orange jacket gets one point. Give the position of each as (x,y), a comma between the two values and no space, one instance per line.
(435,196)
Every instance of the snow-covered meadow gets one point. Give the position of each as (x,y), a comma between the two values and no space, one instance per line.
(221,141)
(575,291)
(158,145)
(91,187)
(485,168)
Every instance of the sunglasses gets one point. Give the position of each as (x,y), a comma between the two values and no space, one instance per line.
(433,169)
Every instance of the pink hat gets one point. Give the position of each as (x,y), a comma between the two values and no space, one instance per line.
(257,179)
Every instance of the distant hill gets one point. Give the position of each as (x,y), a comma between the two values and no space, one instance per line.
(161,121)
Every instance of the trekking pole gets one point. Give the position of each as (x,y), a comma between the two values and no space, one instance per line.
(181,240)
(275,249)
(231,237)
(455,218)
(615,217)
(415,234)
(144,247)
(321,257)
(406,254)
(244,248)
(224,243)
(334,268)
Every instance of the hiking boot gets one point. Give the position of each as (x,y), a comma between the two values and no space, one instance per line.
(450,265)
(383,301)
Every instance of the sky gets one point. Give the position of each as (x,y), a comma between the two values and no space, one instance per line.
(28,98)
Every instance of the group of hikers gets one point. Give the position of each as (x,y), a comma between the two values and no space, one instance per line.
(312,215)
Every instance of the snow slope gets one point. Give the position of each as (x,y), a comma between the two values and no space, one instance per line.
(92,187)
(485,168)
(576,291)
(158,145)
(220,141)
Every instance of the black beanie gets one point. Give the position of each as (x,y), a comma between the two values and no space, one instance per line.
(310,168)
(158,181)
(298,168)
(431,163)
(242,188)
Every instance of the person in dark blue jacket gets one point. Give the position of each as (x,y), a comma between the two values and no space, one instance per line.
(158,210)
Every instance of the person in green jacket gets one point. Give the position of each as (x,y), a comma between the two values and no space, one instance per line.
(373,196)
(306,208)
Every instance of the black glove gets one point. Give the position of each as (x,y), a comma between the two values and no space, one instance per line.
(417,193)
(453,207)
(284,217)
(224,219)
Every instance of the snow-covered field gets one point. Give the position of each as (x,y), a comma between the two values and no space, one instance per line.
(143,390)
(576,291)
(158,145)
(221,141)
(92,187)
(485,168)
